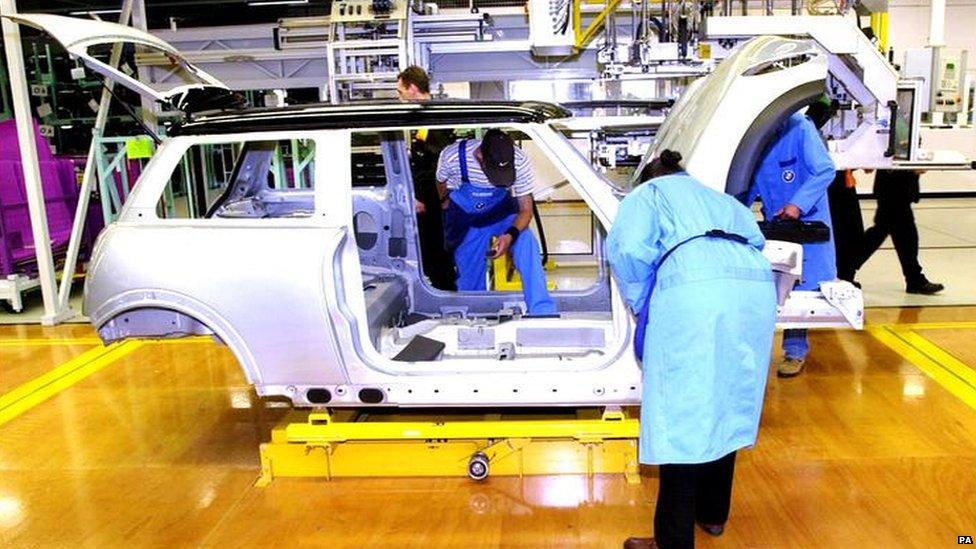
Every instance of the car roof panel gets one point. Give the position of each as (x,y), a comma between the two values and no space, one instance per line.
(370,115)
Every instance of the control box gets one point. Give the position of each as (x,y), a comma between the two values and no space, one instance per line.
(943,71)
(947,80)
(355,11)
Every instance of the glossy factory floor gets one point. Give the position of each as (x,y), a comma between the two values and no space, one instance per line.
(156,445)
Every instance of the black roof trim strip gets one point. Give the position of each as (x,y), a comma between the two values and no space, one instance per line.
(620,103)
(370,115)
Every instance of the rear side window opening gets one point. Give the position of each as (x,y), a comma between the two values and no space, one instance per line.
(242,180)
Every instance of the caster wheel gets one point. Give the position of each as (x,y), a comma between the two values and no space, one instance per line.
(478,466)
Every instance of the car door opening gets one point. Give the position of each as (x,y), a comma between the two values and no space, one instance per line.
(409,319)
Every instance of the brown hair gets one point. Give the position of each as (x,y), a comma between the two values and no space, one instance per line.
(667,163)
(416,76)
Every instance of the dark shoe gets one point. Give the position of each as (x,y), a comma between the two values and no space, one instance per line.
(712,529)
(640,543)
(924,287)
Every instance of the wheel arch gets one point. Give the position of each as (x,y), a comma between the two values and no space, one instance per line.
(166,315)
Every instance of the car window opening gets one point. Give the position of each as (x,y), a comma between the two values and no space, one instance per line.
(243,180)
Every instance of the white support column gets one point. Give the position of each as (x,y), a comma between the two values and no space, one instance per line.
(28,157)
(937,23)
(936,44)
(81,213)
(408,59)
(330,59)
(141,22)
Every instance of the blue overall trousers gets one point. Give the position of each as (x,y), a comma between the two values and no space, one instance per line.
(476,214)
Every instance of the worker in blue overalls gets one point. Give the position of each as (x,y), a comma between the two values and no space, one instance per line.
(486,191)
(792,179)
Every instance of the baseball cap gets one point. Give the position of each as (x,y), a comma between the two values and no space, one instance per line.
(498,158)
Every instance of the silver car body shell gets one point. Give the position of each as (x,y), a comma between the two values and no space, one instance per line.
(286,294)
(290,313)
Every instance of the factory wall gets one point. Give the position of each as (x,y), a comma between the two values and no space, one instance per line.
(908,28)
(908,25)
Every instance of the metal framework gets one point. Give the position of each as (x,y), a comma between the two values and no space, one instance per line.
(583,36)
(111,158)
(13,287)
(56,308)
(32,176)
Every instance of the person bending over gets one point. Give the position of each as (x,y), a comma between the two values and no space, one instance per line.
(689,259)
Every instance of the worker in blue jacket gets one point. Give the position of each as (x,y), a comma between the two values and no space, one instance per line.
(486,192)
(689,259)
(792,180)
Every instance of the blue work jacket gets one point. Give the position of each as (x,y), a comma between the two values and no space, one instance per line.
(710,322)
(797,169)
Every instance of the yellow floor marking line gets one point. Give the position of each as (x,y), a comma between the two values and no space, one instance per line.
(959,368)
(95,341)
(51,341)
(959,325)
(944,369)
(36,391)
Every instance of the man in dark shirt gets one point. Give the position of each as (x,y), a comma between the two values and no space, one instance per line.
(413,84)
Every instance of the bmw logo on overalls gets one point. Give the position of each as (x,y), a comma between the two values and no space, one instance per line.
(788,176)
(479,206)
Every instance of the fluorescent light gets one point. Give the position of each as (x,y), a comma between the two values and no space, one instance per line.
(275,2)
(94,12)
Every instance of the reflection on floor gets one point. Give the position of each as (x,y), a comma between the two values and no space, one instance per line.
(160,449)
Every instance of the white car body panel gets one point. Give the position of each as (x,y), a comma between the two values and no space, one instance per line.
(78,35)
